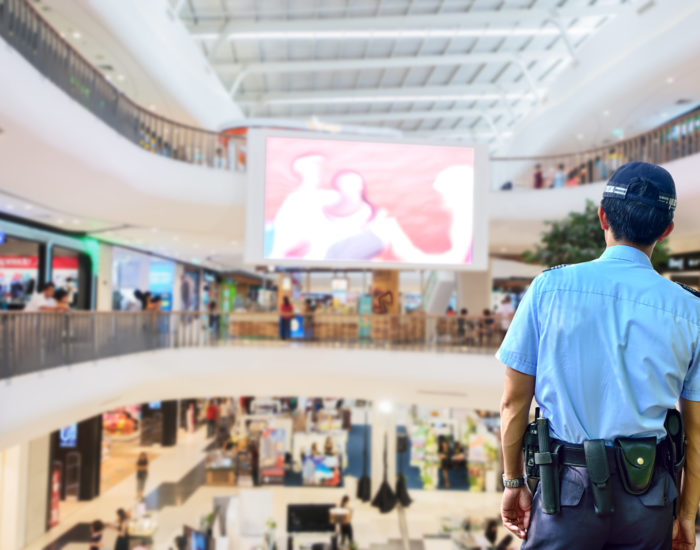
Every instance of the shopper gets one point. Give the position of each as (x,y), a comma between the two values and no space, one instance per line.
(286,314)
(62,299)
(445,461)
(505,311)
(559,179)
(309,309)
(43,300)
(486,327)
(346,523)
(141,475)
(464,326)
(122,527)
(96,529)
(214,320)
(538,178)
(212,415)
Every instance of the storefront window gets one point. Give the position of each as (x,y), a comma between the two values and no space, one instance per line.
(19,272)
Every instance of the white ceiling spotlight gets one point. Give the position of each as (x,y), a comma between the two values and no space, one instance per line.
(385,406)
(670,80)
(77,35)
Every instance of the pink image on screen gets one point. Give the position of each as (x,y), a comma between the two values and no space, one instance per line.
(358,201)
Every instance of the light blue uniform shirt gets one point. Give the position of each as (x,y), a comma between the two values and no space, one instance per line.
(612,345)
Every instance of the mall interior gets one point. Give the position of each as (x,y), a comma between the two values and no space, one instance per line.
(253,311)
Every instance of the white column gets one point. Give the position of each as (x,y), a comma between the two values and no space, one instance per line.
(13,492)
(383,422)
(474,290)
(104,279)
(37,487)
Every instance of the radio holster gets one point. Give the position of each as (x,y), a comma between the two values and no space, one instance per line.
(599,475)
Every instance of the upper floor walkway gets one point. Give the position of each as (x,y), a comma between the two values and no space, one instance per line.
(61,368)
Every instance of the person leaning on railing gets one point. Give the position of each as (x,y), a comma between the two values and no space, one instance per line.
(44,300)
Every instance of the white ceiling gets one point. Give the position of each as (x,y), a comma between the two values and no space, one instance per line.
(439,69)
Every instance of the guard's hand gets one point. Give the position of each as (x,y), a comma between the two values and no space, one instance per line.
(515,510)
(683,534)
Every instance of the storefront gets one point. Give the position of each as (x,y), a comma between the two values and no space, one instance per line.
(450,449)
(29,257)
(132,271)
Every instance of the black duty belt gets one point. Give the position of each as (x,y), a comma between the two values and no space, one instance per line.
(574,455)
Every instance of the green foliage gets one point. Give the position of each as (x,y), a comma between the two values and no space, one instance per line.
(578,238)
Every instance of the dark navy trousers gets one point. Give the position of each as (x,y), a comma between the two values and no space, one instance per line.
(643,522)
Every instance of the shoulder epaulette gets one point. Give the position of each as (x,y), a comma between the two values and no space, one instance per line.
(689,289)
(555,267)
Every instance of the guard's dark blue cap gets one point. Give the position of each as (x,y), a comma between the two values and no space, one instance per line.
(633,172)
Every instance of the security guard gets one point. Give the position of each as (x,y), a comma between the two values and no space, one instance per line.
(607,348)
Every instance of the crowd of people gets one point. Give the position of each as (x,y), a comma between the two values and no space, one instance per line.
(153,142)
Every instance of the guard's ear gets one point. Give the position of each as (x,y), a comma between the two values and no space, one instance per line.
(604,225)
(666,232)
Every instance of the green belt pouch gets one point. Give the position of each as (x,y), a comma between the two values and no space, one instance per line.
(636,459)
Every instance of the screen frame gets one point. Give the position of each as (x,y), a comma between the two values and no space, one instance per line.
(254,250)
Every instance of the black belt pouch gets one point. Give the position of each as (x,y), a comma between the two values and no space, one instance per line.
(636,459)
(599,474)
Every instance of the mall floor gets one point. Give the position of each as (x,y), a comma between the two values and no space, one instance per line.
(175,487)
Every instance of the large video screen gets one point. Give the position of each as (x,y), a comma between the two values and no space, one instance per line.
(342,201)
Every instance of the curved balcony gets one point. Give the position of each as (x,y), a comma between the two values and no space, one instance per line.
(24,29)
(28,33)
(59,368)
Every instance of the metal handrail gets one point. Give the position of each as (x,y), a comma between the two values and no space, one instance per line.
(36,40)
(37,341)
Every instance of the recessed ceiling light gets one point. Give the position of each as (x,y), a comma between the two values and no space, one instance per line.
(28,207)
(108,77)
(60,221)
(606,113)
(176,238)
(120,77)
(152,107)
(9,207)
(76,221)
(77,35)
(154,230)
(670,80)
(664,114)
(579,136)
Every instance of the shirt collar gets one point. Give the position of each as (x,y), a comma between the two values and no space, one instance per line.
(626,253)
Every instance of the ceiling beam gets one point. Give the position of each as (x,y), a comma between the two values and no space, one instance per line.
(472,92)
(416,21)
(394,116)
(383,63)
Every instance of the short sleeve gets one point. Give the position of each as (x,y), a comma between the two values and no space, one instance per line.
(691,385)
(520,346)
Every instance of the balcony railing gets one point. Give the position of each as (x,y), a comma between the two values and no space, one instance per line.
(31,342)
(676,139)
(38,42)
